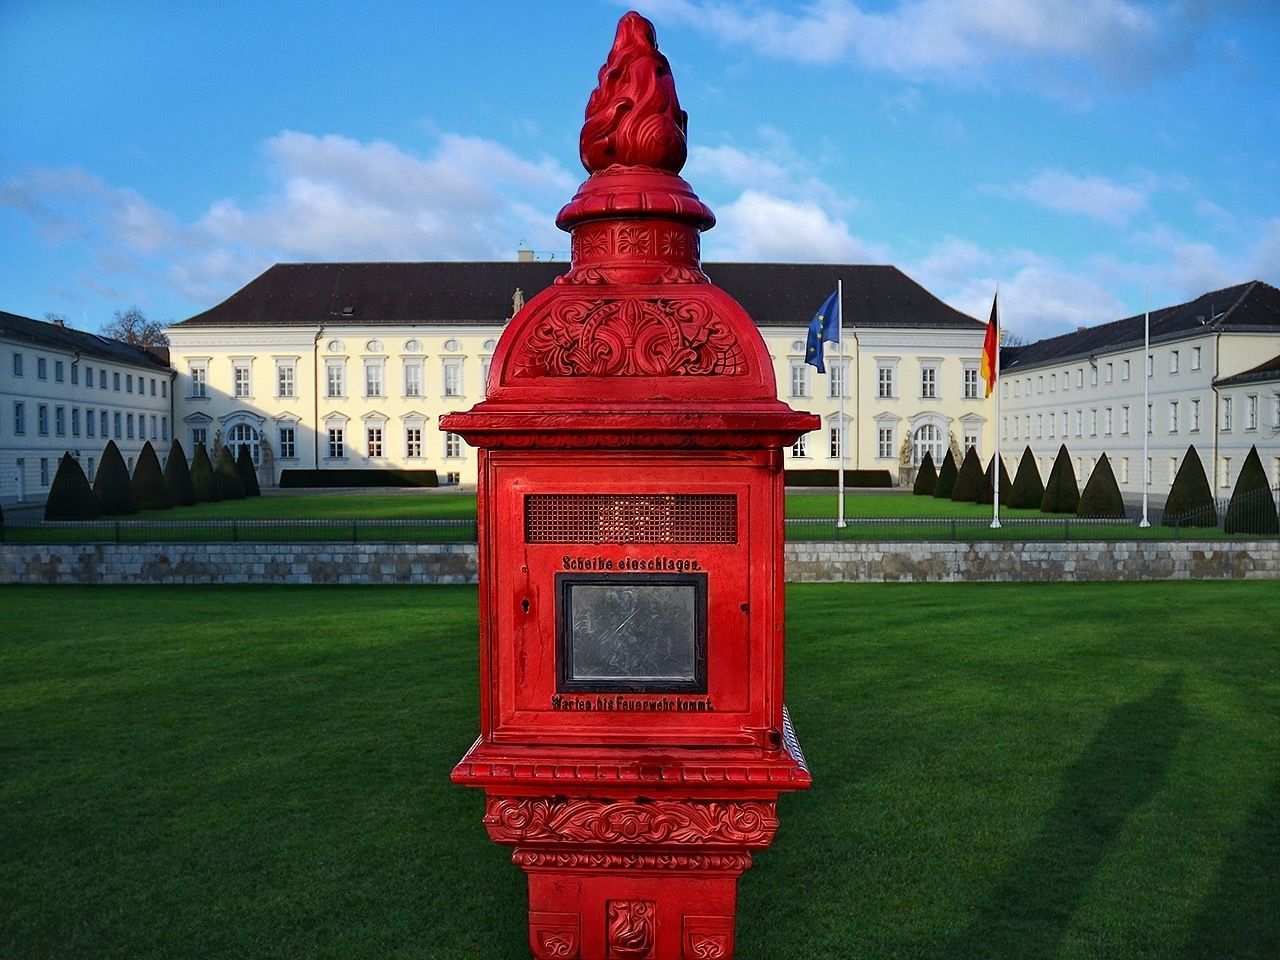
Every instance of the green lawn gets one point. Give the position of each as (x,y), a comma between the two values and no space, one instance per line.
(1002,771)
(322,506)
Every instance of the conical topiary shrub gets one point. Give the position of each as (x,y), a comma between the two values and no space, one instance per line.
(148,481)
(988,492)
(1027,492)
(1253,506)
(1101,499)
(969,480)
(1190,502)
(946,478)
(926,477)
(248,475)
(177,477)
(112,488)
(1062,492)
(202,477)
(70,497)
(226,477)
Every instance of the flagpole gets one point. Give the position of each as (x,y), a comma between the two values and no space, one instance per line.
(1146,400)
(844,385)
(997,464)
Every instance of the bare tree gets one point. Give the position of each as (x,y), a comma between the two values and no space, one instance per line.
(133,327)
(1010,339)
(60,319)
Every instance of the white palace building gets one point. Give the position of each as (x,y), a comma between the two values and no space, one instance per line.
(325,366)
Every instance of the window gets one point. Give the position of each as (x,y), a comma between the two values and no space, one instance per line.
(128,383)
(75,374)
(452,377)
(970,442)
(102,424)
(75,421)
(373,378)
(884,375)
(288,443)
(413,378)
(1195,358)
(1124,370)
(1151,417)
(199,437)
(92,471)
(164,427)
(929,383)
(60,421)
(164,388)
(1226,413)
(1173,469)
(44,471)
(1066,380)
(837,378)
(1093,375)
(88,376)
(1173,416)
(1124,469)
(1053,383)
(17,364)
(885,445)
(153,386)
(1079,377)
(373,438)
(1111,372)
(1124,420)
(128,420)
(1173,361)
(1226,471)
(42,420)
(117,423)
(42,368)
(1151,366)
(142,424)
(20,418)
(1251,412)
(1093,423)
(335,376)
(928,439)
(1004,390)
(836,436)
(799,379)
(241,380)
(970,382)
(1039,385)
(1079,423)
(1015,428)
(199,382)
(1106,421)
(102,378)
(1053,422)
(1195,415)
(1004,428)
(800,447)
(485,364)
(154,419)
(1039,425)
(285,373)
(452,446)
(412,442)
(336,448)
(90,423)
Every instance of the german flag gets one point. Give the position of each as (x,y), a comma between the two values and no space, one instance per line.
(990,346)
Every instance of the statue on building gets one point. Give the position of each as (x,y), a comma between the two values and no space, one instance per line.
(517,301)
(266,463)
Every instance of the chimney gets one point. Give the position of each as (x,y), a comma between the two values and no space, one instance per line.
(526,256)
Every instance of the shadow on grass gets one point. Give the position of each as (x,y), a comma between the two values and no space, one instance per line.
(1121,769)
(1239,920)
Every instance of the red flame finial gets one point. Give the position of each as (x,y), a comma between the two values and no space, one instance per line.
(634,117)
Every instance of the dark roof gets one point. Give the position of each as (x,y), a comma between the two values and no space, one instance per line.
(774,294)
(57,337)
(1253,306)
(1268,370)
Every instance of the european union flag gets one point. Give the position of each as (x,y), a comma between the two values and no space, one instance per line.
(824,326)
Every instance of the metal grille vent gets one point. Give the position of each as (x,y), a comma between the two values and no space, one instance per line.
(630,518)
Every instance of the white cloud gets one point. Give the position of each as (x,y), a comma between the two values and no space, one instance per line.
(940,38)
(1098,198)
(763,226)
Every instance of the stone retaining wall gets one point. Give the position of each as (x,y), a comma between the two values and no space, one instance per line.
(808,562)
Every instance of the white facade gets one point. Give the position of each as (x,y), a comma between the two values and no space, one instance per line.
(55,399)
(1094,405)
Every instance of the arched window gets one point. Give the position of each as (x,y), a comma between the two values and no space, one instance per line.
(243,434)
(928,439)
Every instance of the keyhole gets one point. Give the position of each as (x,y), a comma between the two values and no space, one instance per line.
(524,605)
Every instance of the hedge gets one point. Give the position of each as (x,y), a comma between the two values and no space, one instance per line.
(969,480)
(926,477)
(70,497)
(1190,502)
(177,477)
(988,491)
(148,481)
(112,488)
(946,477)
(831,478)
(359,478)
(226,477)
(1253,506)
(1101,499)
(1062,492)
(202,481)
(248,475)
(1027,492)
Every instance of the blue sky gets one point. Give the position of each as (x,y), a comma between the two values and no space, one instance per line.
(1076,153)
